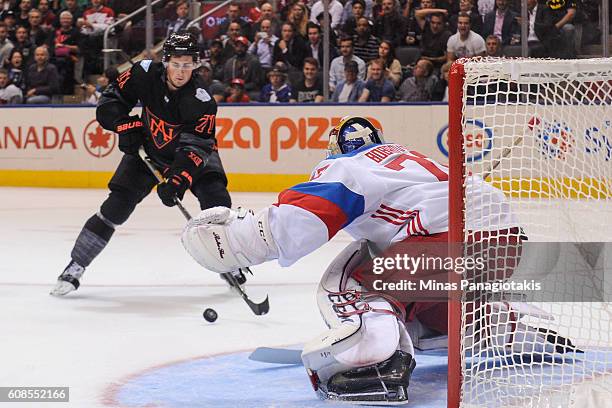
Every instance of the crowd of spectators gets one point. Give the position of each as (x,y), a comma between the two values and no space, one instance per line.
(380,50)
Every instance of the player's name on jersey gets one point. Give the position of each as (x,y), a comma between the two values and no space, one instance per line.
(433,285)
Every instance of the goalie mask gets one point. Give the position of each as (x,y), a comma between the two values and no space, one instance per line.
(179,44)
(352,133)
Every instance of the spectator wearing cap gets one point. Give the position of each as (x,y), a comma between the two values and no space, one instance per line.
(42,79)
(464,43)
(237,92)
(358,11)
(244,66)
(233,16)
(377,87)
(214,87)
(277,89)
(9,20)
(364,43)
(390,25)
(181,21)
(418,87)
(315,44)
(263,46)
(290,49)
(349,12)
(335,10)
(309,88)
(351,88)
(6,45)
(9,93)
(336,69)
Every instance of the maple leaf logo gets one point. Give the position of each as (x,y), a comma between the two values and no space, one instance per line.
(99,138)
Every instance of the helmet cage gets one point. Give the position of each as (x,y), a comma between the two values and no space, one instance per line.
(351,134)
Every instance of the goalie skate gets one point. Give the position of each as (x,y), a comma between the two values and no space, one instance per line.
(384,383)
(68,281)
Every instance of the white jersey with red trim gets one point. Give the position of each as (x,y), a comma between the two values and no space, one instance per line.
(383,193)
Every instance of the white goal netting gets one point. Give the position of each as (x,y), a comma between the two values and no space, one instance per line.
(541,131)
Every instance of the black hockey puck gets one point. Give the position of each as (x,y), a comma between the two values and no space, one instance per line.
(210,315)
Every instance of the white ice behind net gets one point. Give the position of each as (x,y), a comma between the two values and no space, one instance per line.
(541,130)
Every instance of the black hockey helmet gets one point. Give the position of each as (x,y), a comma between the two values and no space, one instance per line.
(183,43)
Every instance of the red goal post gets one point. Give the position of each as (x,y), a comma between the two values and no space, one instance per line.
(548,131)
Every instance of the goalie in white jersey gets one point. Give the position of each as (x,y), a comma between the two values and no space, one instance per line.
(378,193)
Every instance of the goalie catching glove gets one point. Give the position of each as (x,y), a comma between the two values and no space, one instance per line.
(223,240)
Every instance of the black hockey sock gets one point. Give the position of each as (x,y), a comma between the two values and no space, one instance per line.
(91,241)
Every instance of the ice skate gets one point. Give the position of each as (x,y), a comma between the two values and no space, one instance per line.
(385,383)
(68,281)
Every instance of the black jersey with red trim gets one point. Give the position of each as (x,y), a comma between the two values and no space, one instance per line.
(172,119)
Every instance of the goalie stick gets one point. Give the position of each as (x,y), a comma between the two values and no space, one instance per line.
(257,308)
(275,355)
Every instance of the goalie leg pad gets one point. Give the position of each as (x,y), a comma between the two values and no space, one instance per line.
(356,337)
(384,383)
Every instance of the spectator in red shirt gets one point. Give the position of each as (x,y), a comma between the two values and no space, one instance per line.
(48,17)
(255,12)
(66,51)
(237,93)
(97,18)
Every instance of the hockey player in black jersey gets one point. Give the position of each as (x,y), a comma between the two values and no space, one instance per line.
(177,130)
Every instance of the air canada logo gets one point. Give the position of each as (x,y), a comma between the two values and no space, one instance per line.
(553,139)
(162,132)
(98,141)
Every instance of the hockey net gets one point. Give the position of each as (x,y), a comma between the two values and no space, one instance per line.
(540,131)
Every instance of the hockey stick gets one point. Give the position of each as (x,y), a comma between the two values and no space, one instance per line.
(257,308)
(505,152)
(274,355)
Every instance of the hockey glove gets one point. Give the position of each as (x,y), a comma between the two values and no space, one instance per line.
(131,136)
(174,187)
